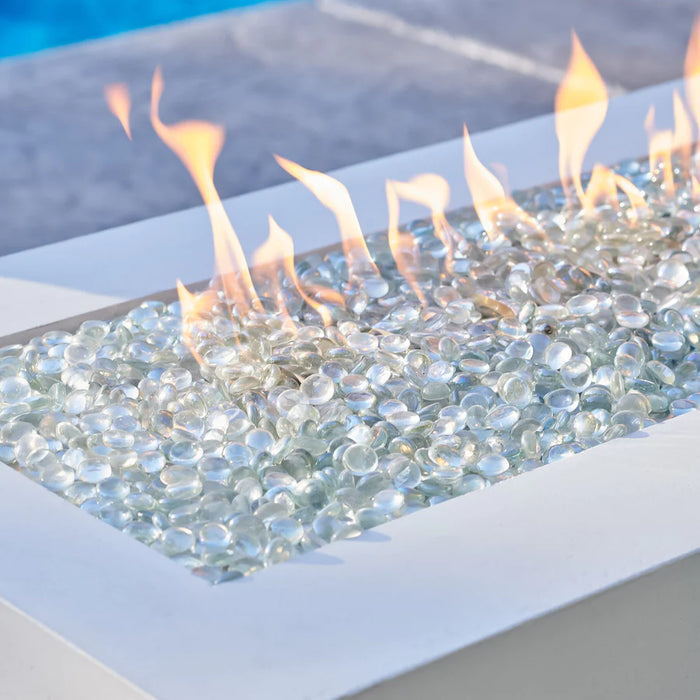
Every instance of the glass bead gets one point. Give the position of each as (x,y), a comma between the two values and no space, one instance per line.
(143,532)
(27,444)
(562,400)
(57,478)
(185,453)
(14,390)
(404,420)
(673,273)
(116,515)
(632,319)
(492,465)
(214,536)
(181,482)
(629,359)
(440,372)
(288,528)
(363,342)
(474,366)
(278,550)
(215,469)
(152,461)
(318,389)
(94,469)
(388,501)
(177,540)
(360,459)
(113,489)
(667,342)
(179,377)
(469,483)
(360,400)
(502,417)
(557,354)
(117,439)
(576,374)
(582,305)
(353,383)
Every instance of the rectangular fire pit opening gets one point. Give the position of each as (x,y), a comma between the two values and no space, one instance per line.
(363,610)
(461,360)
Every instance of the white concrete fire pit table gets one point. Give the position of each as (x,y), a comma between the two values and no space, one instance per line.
(578,580)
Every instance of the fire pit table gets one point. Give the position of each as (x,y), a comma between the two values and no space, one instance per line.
(550,569)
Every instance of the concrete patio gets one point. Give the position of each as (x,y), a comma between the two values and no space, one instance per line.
(325,83)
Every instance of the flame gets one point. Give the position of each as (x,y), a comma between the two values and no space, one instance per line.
(119,103)
(269,263)
(488,196)
(664,143)
(602,189)
(433,192)
(335,196)
(277,254)
(429,191)
(501,172)
(660,148)
(198,145)
(682,131)
(192,308)
(580,106)
(692,71)
(634,195)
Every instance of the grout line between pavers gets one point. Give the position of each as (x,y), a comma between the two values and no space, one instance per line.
(464,46)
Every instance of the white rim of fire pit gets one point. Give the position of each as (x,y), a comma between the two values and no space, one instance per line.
(358,612)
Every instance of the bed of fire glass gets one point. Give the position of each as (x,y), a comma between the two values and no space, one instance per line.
(308,400)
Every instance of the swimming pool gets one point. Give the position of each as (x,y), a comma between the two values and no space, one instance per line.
(33,25)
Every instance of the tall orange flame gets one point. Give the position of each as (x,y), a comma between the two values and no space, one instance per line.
(269,265)
(192,309)
(682,132)
(198,145)
(433,192)
(279,250)
(580,106)
(119,103)
(660,149)
(335,196)
(692,72)
(635,196)
(602,189)
(402,243)
(488,196)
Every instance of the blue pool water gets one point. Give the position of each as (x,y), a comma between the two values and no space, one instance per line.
(32,25)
